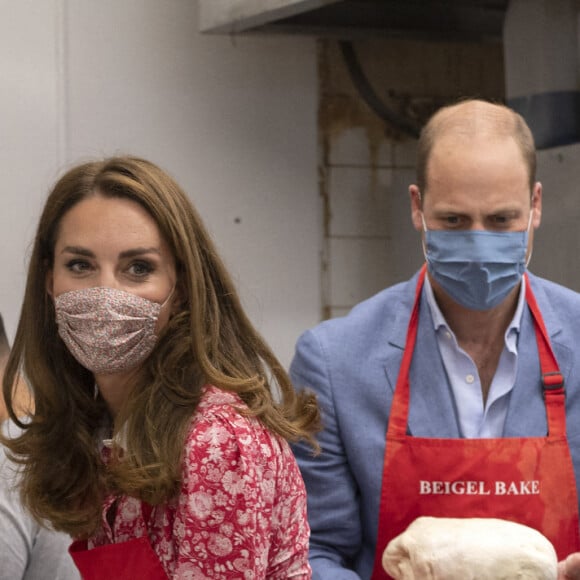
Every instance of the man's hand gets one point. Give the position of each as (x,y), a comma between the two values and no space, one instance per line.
(569,569)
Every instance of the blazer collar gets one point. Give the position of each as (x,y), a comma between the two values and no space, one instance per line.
(397,333)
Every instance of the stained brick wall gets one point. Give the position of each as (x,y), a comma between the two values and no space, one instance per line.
(366,166)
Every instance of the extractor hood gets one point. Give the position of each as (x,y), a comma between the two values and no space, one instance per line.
(475,20)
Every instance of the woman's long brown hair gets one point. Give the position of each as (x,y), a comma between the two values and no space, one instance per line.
(209,340)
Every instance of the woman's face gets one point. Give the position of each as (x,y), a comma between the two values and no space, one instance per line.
(115,243)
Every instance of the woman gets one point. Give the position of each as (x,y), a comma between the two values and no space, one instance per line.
(156,439)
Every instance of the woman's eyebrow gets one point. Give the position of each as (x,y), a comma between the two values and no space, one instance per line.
(80,251)
(139,252)
(77,250)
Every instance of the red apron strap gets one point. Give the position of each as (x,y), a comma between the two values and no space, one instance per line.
(552,379)
(398,416)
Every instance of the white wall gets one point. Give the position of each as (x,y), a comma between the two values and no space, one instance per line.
(232,119)
(30,137)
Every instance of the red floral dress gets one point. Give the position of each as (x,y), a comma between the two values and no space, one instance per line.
(241,511)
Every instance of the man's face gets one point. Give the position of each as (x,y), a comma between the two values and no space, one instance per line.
(477,184)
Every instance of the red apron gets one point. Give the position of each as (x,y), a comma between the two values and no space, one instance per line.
(123,561)
(526,480)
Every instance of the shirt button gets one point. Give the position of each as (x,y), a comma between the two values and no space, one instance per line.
(469,379)
(447,334)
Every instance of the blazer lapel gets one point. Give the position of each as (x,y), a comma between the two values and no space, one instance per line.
(432,412)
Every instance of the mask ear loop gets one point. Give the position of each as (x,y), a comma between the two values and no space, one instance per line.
(168,297)
(423,237)
(528,231)
(424,230)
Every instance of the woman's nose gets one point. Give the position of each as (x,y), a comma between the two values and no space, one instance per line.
(107,279)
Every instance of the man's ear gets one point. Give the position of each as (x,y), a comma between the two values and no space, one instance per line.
(416,207)
(537,204)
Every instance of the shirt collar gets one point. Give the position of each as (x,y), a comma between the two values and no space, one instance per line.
(440,322)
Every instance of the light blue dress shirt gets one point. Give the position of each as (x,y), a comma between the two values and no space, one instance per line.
(476,419)
(28,551)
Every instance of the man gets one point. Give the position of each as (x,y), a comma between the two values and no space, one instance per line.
(21,394)
(28,551)
(455,362)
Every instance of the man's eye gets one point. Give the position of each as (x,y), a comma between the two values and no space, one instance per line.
(501,221)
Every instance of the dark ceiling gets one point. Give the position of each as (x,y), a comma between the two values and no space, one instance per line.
(476,20)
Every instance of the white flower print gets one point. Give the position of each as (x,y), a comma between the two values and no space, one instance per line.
(201,504)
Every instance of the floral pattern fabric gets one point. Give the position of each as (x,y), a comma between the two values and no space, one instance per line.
(241,511)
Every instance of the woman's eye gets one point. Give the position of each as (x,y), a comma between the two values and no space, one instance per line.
(140,269)
(78,266)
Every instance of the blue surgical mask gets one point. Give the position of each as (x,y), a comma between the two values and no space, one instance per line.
(478,269)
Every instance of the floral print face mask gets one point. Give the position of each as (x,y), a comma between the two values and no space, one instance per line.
(107,330)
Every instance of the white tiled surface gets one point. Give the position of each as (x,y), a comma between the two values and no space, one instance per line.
(354,146)
(404,153)
(361,267)
(359,201)
(371,242)
(357,269)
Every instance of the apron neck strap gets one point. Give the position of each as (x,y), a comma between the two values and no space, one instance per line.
(552,378)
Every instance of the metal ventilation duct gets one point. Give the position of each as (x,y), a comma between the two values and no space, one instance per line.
(475,20)
(541,66)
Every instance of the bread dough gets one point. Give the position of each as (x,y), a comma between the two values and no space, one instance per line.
(470,549)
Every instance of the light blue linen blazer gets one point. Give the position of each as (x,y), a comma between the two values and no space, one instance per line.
(352,364)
